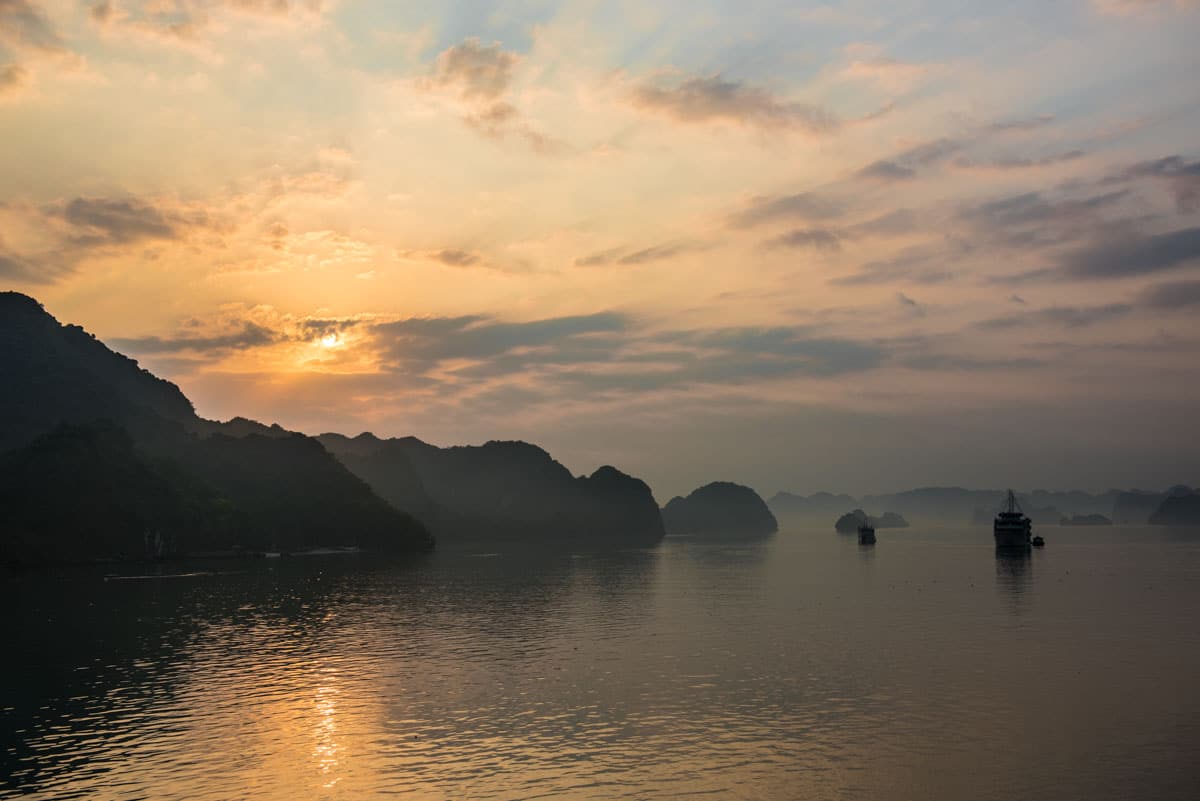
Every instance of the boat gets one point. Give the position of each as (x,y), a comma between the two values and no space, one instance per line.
(866,534)
(1012,528)
(1037,542)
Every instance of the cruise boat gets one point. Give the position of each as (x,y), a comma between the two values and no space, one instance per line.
(866,534)
(1012,528)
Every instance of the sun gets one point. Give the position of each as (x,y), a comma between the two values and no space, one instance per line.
(331,340)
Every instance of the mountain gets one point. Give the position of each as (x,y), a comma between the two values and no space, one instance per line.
(501,491)
(1136,506)
(75,415)
(818,506)
(720,509)
(1178,509)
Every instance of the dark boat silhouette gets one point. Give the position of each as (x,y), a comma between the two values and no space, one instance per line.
(1012,528)
(866,534)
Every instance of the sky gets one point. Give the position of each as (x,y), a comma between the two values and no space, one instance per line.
(857,246)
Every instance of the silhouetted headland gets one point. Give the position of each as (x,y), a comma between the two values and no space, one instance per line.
(103,460)
(502,491)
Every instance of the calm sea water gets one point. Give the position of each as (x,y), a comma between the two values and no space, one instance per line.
(805,666)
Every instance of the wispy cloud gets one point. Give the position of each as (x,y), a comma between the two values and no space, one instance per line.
(705,99)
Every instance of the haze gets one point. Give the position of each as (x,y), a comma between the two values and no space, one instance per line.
(855,247)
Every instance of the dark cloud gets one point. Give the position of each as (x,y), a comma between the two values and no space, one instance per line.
(23,25)
(481,76)
(810,238)
(909,304)
(887,171)
(781,350)
(657,253)
(1014,163)
(1059,316)
(624,257)
(707,99)
(600,259)
(451,257)
(20,268)
(85,226)
(1172,295)
(1035,220)
(12,78)
(900,221)
(102,12)
(421,343)
(456,258)
(1182,176)
(803,206)
(1026,124)
(906,165)
(250,335)
(1134,256)
(918,265)
(119,221)
(970,364)
(476,70)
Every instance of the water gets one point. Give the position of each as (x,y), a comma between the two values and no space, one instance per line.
(803,667)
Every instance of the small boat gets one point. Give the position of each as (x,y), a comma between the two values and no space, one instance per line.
(1012,528)
(1037,542)
(866,534)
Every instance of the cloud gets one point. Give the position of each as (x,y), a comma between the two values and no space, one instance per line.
(911,305)
(626,258)
(905,165)
(102,12)
(802,206)
(889,73)
(809,238)
(1058,316)
(77,229)
(117,220)
(479,76)
(1035,220)
(1020,163)
(1127,8)
(475,70)
(1134,256)
(13,78)
(1023,124)
(708,99)
(23,25)
(1172,295)
(918,264)
(20,268)
(451,257)
(251,335)
(1182,176)
(422,343)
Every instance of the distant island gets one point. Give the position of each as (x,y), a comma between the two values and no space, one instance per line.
(849,522)
(957,505)
(1178,510)
(719,510)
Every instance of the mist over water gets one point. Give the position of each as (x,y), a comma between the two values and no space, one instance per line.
(804,665)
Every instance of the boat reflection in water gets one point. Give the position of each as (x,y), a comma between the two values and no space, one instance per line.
(1014,571)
